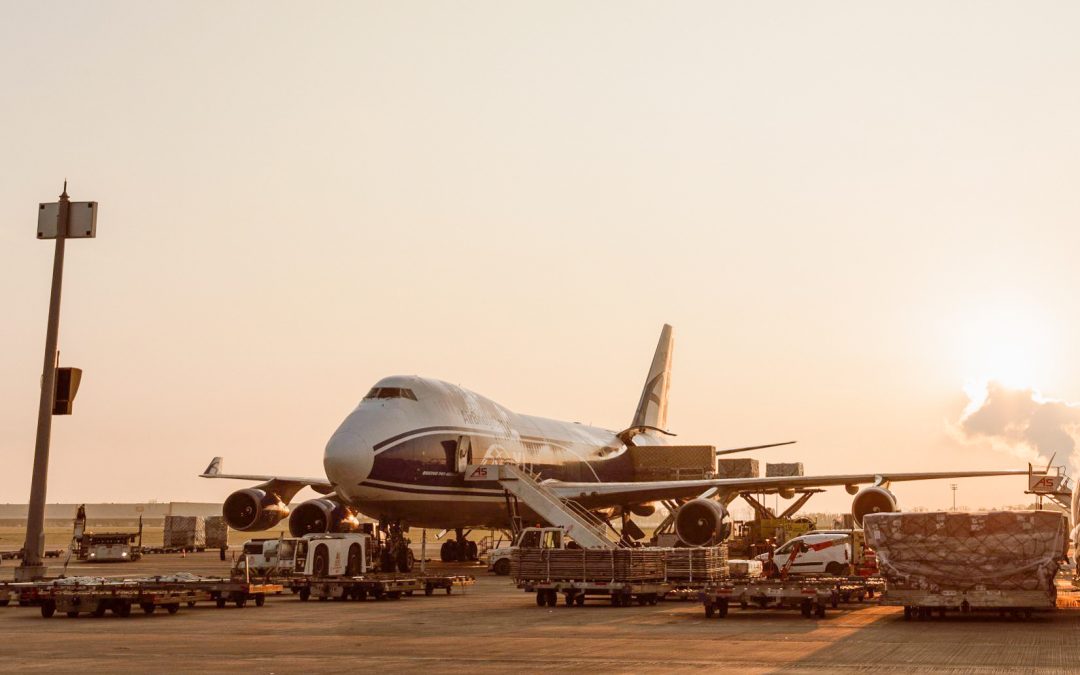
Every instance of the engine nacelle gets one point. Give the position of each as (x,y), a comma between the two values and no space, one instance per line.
(702,522)
(253,509)
(873,499)
(322,515)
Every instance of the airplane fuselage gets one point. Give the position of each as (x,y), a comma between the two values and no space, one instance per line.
(401,454)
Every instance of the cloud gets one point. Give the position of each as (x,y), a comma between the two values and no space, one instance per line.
(1023,422)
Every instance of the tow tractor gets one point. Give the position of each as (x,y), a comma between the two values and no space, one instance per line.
(350,566)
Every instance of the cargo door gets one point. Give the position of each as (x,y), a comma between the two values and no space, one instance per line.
(464,454)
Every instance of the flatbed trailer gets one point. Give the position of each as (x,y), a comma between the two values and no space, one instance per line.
(446,582)
(148,594)
(923,604)
(619,593)
(378,587)
(811,596)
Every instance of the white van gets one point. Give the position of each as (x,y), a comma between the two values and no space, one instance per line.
(822,553)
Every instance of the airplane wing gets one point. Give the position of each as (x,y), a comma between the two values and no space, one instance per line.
(282,485)
(595,495)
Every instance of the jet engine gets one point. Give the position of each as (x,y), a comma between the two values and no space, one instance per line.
(701,522)
(253,509)
(322,515)
(873,499)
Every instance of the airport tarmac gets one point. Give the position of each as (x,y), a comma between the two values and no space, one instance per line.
(494,627)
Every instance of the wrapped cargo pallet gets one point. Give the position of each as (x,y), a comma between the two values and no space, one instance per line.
(783,469)
(184,532)
(745,568)
(696,564)
(998,550)
(578,564)
(741,467)
(217,532)
(673,462)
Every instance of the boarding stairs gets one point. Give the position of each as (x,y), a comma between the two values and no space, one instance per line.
(580,524)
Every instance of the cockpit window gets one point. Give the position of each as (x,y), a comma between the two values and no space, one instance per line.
(391,392)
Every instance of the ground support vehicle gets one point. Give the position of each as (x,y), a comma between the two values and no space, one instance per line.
(120,601)
(378,587)
(238,591)
(148,594)
(685,592)
(858,588)
(446,583)
(923,604)
(809,596)
(618,593)
(498,558)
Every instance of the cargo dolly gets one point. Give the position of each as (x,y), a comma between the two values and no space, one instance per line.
(355,588)
(809,596)
(923,604)
(447,583)
(120,597)
(620,593)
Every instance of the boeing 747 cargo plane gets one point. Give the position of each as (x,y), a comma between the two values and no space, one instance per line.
(401,457)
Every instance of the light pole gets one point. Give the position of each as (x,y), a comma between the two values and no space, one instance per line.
(953,487)
(57,220)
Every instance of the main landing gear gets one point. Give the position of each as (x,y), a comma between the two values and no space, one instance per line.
(459,549)
(396,555)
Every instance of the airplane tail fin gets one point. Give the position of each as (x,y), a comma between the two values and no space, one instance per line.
(214,468)
(652,408)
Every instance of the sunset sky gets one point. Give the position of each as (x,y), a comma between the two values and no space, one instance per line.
(855,215)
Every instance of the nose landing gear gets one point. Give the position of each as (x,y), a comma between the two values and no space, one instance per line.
(396,555)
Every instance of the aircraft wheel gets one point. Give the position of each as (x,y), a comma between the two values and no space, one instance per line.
(405,559)
(445,552)
(352,565)
(320,567)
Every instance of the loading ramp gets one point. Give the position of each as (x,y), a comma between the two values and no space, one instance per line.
(580,524)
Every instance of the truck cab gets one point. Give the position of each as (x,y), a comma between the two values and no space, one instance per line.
(529,537)
(323,555)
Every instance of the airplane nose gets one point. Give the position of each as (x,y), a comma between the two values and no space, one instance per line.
(348,458)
